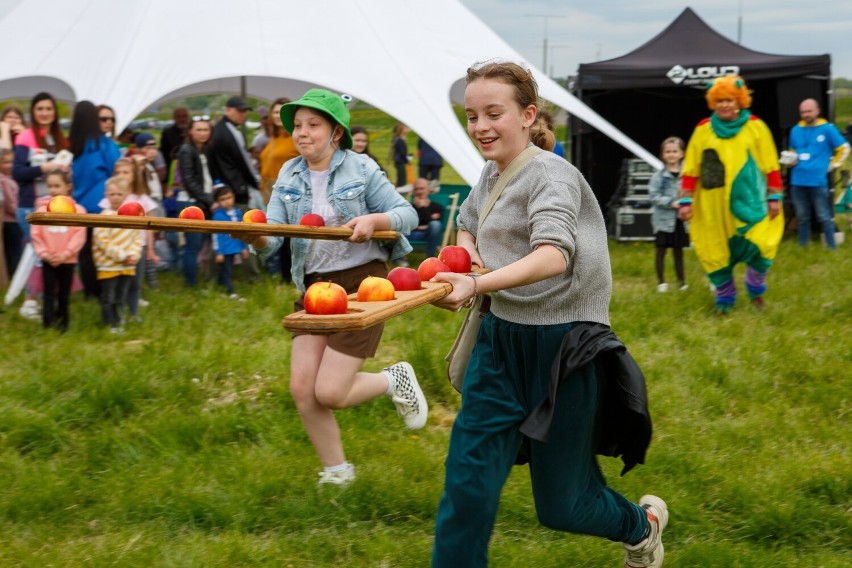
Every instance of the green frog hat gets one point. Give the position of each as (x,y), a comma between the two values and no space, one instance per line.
(335,106)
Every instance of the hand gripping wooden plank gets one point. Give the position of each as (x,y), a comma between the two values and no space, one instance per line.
(195,226)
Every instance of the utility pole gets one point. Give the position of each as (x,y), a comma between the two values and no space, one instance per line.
(544,17)
(740,23)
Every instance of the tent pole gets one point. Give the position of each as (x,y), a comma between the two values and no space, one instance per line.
(243,126)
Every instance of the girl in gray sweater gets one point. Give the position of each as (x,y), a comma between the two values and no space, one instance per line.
(546,247)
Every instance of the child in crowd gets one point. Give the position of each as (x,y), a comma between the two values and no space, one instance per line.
(57,247)
(664,192)
(116,253)
(13,240)
(154,164)
(132,170)
(225,247)
(346,189)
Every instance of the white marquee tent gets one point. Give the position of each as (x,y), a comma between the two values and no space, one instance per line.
(405,57)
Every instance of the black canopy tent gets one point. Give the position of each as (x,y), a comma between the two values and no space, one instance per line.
(657,91)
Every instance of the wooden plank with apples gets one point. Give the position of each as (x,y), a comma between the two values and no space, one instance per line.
(199,226)
(361,315)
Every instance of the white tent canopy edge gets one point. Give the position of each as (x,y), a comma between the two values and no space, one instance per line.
(401,57)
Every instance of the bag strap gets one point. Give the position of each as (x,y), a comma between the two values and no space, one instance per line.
(513,168)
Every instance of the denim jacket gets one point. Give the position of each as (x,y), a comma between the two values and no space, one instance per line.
(356,187)
(663,188)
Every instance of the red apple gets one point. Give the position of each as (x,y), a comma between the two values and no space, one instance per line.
(61,204)
(457,258)
(132,209)
(312,220)
(192,212)
(430,267)
(404,278)
(326,298)
(254,216)
(375,289)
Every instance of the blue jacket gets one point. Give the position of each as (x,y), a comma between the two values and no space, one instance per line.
(225,244)
(816,146)
(90,171)
(356,187)
(663,188)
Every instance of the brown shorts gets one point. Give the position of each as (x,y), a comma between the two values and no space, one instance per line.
(361,344)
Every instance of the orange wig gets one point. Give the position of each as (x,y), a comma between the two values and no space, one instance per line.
(728,87)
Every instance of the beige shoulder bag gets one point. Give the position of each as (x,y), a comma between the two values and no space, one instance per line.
(459,355)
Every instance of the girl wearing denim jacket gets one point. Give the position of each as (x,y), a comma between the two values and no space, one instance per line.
(346,189)
(664,193)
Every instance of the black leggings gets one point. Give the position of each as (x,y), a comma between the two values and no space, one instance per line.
(57,291)
(677,252)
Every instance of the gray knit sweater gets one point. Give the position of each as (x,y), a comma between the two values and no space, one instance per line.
(547,202)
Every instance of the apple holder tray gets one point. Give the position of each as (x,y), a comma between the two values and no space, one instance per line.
(362,315)
(198,226)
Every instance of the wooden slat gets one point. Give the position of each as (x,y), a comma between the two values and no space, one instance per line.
(193,226)
(362,315)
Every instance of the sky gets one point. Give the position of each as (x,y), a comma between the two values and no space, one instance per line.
(588,31)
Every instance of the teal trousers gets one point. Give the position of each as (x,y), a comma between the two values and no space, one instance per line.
(508,375)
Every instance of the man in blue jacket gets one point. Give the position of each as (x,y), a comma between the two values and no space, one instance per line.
(818,148)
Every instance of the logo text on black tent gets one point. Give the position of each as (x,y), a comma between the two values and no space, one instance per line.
(698,75)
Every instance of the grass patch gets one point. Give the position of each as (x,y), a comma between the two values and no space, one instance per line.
(178,444)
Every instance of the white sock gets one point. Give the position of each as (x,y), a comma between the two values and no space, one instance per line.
(335,468)
(391,384)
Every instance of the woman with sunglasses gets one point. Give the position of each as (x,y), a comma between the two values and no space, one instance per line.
(106,120)
(95,155)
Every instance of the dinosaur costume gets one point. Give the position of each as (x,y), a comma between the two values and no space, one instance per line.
(730,171)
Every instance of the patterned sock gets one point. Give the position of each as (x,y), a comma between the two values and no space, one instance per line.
(726,294)
(755,282)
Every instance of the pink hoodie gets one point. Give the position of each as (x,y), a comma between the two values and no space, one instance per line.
(49,239)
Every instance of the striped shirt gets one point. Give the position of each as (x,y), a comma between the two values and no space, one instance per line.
(110,248)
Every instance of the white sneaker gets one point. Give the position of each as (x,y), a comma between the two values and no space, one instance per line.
(649,552)
(662,287)
(684,287)
(144,303)
(342,477)
(407,395)
(237,298)
(30,310)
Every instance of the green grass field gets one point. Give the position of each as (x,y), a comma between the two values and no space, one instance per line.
(179,445)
